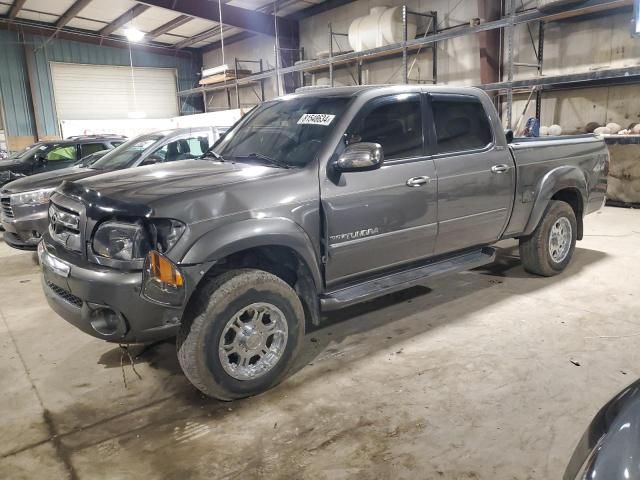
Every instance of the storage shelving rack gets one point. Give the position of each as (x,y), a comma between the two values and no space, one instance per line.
(507,23)
(234,85)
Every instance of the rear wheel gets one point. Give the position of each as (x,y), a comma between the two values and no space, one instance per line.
(548,250)
(242,335)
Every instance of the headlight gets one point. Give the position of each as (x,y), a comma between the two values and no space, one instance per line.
(121,241)
(128,241)
(34,197)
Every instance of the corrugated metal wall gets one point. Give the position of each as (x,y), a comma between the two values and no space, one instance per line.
(14,86)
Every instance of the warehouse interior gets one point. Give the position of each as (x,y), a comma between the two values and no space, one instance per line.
(432,365)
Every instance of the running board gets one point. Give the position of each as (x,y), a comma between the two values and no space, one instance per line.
(394,282)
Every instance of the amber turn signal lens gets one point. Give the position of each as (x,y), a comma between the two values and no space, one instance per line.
(163,270)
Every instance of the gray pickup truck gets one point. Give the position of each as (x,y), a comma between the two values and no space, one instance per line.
(312,202)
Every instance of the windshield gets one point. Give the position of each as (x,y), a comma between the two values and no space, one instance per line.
(288,132)
(126,154)
(91,158)
(29,151)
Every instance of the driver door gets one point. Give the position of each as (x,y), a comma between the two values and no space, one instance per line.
(378,219)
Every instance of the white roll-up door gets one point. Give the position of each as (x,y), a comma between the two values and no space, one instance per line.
(97,92)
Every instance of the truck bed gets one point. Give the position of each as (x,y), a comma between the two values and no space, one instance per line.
(536,157)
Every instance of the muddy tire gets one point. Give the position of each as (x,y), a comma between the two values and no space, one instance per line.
(241,335)
(548,250)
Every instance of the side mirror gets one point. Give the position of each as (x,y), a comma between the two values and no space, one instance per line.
(509,135)
(361,156)
(41,158)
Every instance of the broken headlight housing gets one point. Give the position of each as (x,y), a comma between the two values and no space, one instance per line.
(133,240)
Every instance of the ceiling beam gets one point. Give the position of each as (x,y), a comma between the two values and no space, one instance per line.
(87,36)
(318,8)
(15,8)
(71,13)
(251,20)
(212,32)
(167,27)
(123,19)
(227,41)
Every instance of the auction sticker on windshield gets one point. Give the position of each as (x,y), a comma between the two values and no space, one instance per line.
(316,119)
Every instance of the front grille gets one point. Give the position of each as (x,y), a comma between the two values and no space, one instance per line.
(65,295)
(64,226)
(7,211)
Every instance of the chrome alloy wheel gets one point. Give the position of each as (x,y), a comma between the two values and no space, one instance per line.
(253,341)
(560,238)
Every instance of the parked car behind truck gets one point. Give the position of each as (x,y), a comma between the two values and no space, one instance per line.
(54,155)
(312,202)
(25,201)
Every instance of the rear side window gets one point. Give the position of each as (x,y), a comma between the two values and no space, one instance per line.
(396,125)
(89,148)
(460,125)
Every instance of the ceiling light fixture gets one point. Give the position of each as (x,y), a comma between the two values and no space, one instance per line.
(133,34)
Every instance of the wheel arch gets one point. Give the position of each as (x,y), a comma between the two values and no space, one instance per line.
(278,246)
(567,184)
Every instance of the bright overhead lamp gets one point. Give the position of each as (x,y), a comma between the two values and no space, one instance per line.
(133,34)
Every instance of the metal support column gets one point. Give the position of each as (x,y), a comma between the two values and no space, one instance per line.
(510,35)
(204,101)
(330,55)
(301,58)
(235,60)
(540,58)
(261,82)
(277,74)
(434,51)
(33,87)
(405,71)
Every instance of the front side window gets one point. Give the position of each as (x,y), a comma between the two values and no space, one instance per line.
(460,125)
(198,145)
(182,149)
(286,132)
(63,153)
(396,125)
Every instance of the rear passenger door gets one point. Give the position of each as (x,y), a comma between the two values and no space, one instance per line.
(378,219)
(476,173)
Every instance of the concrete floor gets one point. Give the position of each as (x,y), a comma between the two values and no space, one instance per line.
(491,374)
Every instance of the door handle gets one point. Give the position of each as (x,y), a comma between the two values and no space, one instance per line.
(418,181)
(500,168)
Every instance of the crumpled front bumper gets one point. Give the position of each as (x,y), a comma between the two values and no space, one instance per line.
(104,302)
(24,233)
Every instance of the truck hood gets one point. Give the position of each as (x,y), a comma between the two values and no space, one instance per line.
(155,184)
(48,179)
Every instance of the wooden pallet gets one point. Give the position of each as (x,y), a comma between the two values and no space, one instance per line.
(228,76)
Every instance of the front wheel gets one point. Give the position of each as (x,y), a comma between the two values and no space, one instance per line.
(243,334)
(548,250)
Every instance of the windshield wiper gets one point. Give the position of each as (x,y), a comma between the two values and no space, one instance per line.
(211,153)
(264,158)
